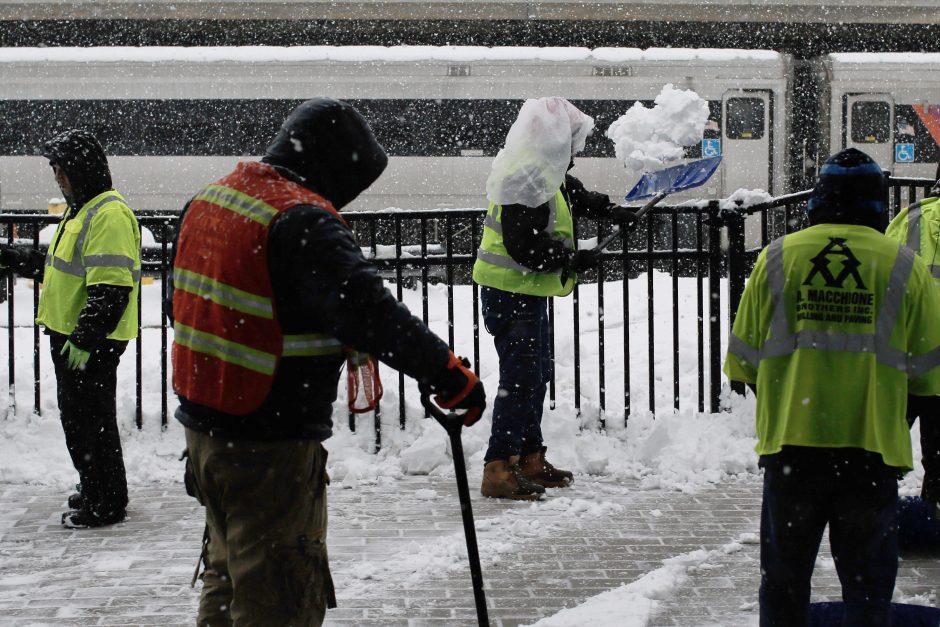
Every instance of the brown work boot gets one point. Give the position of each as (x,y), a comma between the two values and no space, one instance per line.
(502,480)
(537,469)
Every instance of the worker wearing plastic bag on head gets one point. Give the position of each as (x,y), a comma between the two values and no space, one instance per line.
(271,292)
(836,326)
(528,254)
(918,227)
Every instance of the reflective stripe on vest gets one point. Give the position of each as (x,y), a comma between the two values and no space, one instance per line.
(239,202)
(505,261)
(302,345)
(226,295)
(226,350)
(76,267)
(783,342)
(914,215)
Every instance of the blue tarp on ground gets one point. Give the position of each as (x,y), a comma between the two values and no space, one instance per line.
(902,615)
(918,527)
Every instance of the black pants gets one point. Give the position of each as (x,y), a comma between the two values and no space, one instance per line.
(87,406)
(856,494)
(927,408)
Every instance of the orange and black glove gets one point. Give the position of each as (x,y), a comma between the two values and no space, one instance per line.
(456,387)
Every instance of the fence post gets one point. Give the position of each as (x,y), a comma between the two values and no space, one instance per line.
(714,305)
(737,272)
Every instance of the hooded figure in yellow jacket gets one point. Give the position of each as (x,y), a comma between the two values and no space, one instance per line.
(88,306)
(837,325)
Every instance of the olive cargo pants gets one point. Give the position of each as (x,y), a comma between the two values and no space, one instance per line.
(266,559)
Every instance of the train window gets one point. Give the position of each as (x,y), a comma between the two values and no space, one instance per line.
(242,127)
(871,122)
(744,118)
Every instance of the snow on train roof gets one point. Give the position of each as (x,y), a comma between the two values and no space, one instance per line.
(262,54)
(886,57)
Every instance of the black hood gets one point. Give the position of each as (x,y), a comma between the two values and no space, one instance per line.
(330,145)
(80,154)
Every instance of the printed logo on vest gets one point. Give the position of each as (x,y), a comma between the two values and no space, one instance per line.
(832,302)
(850,265)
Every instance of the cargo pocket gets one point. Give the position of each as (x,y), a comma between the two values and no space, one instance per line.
(302,581)
(189,478)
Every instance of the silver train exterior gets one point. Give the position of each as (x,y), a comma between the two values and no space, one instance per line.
(880,103)
(174,118)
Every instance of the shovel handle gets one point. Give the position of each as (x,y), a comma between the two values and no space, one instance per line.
(452,423)
(642,211)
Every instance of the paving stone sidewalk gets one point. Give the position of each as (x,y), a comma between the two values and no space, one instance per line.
(138,572)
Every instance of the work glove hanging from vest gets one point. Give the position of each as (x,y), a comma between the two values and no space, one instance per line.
(77,358)
(624,217)
(457,387)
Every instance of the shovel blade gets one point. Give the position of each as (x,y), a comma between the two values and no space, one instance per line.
(674,179)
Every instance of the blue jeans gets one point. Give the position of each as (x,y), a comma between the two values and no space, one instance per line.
(519,326)
(856,494)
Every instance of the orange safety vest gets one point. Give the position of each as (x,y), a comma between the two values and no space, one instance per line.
(227,341)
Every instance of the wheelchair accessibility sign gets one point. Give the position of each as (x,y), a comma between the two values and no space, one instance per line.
(711,148)
(904,153)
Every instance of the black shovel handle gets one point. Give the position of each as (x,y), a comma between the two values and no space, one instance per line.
(453,423)
(652,202)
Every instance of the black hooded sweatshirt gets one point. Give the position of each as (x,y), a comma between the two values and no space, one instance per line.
(322,282)
(82,158)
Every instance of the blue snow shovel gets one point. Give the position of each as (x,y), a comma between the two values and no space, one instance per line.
(662,183)
(453,423)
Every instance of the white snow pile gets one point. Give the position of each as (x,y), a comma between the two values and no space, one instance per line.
(649,139)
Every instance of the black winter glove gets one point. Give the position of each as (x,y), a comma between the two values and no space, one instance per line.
(624,217)
(583,260)
(457,387)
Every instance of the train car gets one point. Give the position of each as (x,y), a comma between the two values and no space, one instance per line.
(174,118)
(885,104)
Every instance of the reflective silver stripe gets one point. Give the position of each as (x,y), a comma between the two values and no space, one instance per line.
(782,342)
(76,267)
(740,349)
(913,227)
(223,294)
(776,281)
(311,344)
(225,350)
(894,294)
(502,261)
(113,261)
(935,271)
(552,213)
(238,202)
(490,221)
(922,363)
(109,261)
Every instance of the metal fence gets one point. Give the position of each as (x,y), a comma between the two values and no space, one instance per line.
(664,295)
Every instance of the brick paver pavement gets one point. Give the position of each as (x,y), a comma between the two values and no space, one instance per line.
(538,559)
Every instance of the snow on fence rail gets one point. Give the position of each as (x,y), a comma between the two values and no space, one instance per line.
(622,340)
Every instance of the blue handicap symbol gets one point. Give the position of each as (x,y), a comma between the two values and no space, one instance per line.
(904,153)
(711,147)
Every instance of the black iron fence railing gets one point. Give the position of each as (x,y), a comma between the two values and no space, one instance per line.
(644,332)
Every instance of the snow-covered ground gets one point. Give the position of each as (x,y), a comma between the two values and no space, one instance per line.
(673,451)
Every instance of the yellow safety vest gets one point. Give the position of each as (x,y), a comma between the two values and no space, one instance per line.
(99,245)
(836,325)
(494,267)
(918,227)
